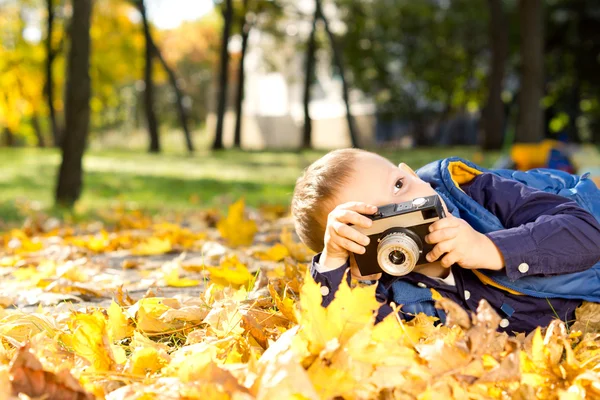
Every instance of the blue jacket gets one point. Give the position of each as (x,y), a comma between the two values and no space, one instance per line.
(446,175)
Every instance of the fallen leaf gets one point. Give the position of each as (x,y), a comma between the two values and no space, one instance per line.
(230,272)
(236,229)
(118,323)
(152,246)
(89,339)
(28,377)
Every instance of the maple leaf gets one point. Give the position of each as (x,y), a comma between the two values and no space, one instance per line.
(172,270)
(146,360)
(349,311)
(152,246)
(230,272)
(298,250)
(235,228)
(89,339)
(147,314)
(118,323)
(28,377)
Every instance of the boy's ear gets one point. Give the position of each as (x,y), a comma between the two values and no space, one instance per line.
(408,169)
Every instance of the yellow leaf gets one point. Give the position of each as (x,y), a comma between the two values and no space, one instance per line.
(274,253)
(89,339)
(188,361)
(235,228)
(298,250)
(538,355)
(147,314)
(350,310)
(172,276)
(152,246)
(118,323)
(231,272)
(146,360)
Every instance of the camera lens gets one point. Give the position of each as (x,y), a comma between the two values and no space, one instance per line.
(397,253)
(397,257)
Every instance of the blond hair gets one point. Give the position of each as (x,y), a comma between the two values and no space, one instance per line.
(315,191)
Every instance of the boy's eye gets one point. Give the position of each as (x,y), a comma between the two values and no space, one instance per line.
(398,185)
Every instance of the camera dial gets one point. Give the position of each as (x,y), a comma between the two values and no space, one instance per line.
(397,253)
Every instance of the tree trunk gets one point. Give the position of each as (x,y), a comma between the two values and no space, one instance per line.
(77,107)
(149,84)
(35,123)
(530,125)
(183,117)
(239,99)
(337,59)
(49,86)
(224,75)
(309,72)
(493,116)
(9,137)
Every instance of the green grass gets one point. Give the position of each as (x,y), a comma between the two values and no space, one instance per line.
(171,182)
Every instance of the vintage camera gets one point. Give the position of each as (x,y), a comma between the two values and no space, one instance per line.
(398,236)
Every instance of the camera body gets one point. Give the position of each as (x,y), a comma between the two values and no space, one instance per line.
(398,236)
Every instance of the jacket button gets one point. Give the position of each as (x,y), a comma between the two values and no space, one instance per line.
(324,290)
(523,267)
(421,284)
(467,295)
(504,323)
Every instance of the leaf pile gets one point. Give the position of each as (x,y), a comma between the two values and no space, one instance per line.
(85,316)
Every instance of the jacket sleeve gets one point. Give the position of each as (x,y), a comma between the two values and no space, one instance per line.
(330,280)
(545,234)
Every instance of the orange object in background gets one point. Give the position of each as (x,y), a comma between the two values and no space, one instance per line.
(532,155)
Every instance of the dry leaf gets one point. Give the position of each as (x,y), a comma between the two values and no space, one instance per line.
(28,377)
(236,228)
(89,339)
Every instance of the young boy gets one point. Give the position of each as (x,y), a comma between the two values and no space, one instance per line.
(528,252)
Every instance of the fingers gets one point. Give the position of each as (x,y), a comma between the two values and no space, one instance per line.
(351,217)
(441,235)
(439,249)
(444,223)
(350,245)
(348,232)
(359,207)
(450,259)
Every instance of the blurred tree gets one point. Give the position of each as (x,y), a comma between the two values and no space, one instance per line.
(572,63)
(493,113)
(149,84)
(339,63)
(21,77)
(77,105)
(193,51)
(309,76)
(51,52)
(152,51)
(244,26)
(418,59)
(530,124)
(227,11)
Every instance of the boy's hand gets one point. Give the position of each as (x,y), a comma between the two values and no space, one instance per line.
(342,239)
(462,245)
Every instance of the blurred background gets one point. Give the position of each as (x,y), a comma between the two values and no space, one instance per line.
(183,104)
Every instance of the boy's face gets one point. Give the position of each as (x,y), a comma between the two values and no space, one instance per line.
(378,182)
